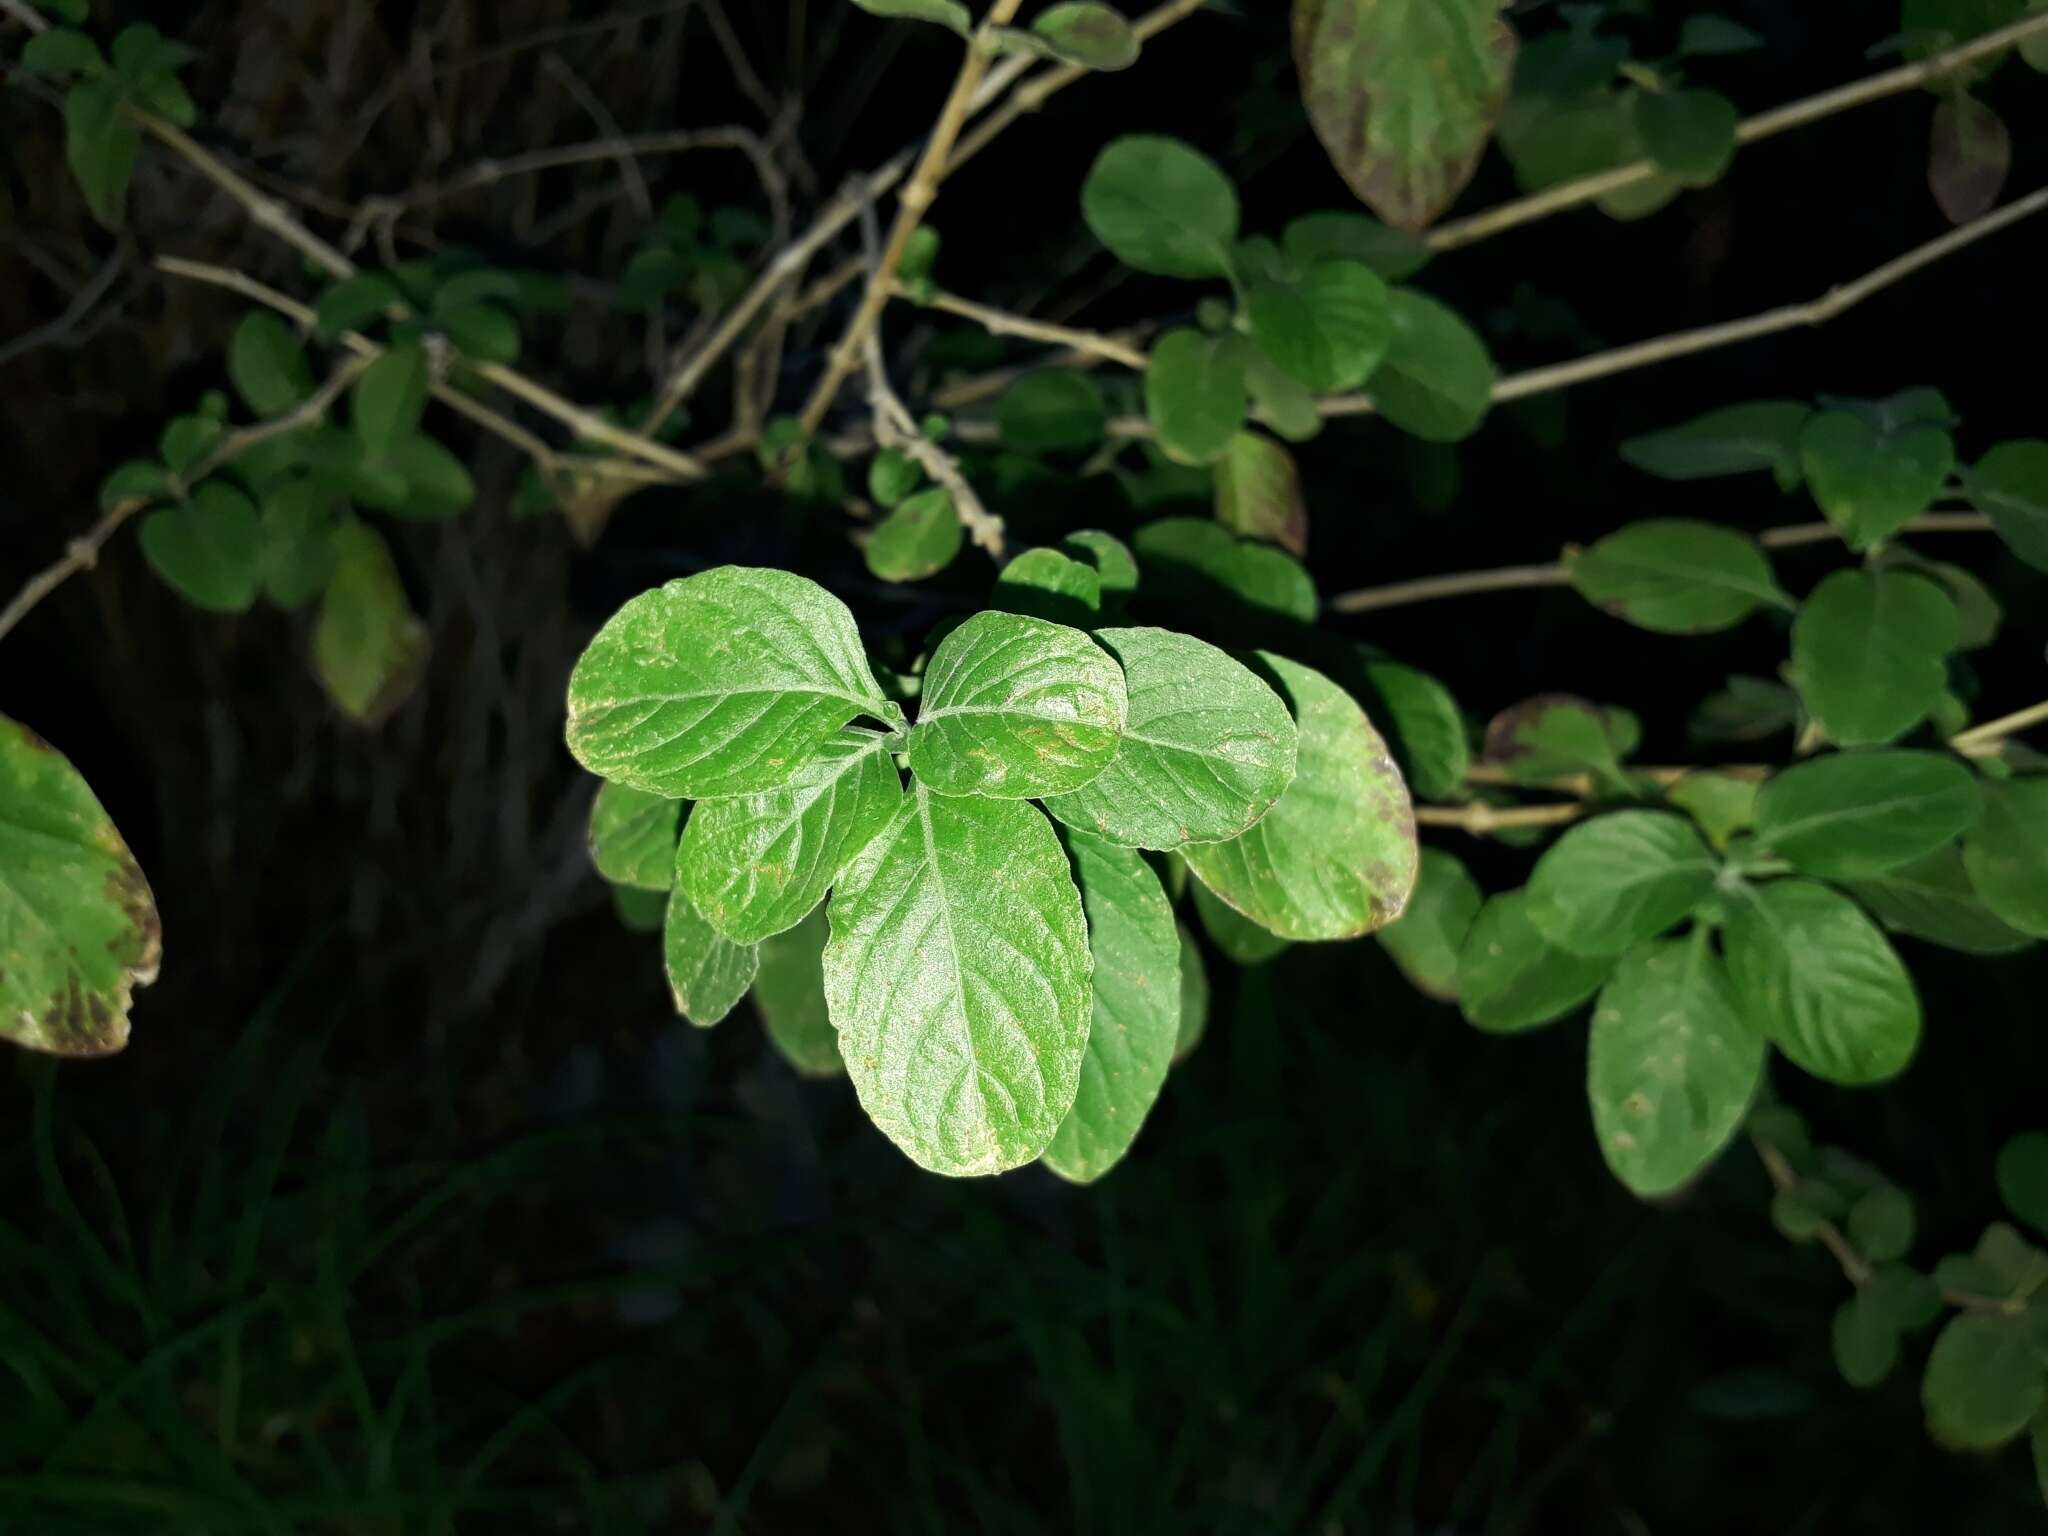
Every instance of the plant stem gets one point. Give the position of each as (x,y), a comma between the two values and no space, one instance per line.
(999,322)
(1797,114)
(677,466)
(916,198)
(1426,589)
(896,428)
(1983,740)
(1479,818)
(1660,349)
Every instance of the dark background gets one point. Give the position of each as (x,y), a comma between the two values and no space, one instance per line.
(412,1207)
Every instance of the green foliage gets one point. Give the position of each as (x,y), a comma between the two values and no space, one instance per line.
(1672,1064)
(920,538)
(1870,653)
(1869,480)
(947,13)
(1195,393)
(1733,440)
(209,548)
(1436,379)
(369,650)
(78,926)
(1403,95)
(1608,885)
(1054,409)
(1091,35)
(1680,578)
(708,974)
(1861,813)
(633,837)
(1161,207)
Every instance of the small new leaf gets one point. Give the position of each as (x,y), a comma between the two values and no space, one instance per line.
(1016,708)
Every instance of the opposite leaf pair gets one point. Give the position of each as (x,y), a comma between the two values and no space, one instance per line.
(973,946)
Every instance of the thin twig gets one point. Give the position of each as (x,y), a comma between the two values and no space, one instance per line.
(911,205)
(22,12)
(1586,189)
(83,552)
(1478,818)
(1660,349)
(584,423)
(896,428)
(1508,578)
(999,322)
(1984,740)
(81,303)
(1035,92)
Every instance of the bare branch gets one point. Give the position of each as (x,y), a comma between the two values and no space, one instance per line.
(896,428)
(81,304)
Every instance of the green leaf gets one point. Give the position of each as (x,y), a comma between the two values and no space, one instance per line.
(1690,134)
(1983,1382)
(1702,36)
(1279,401)
(754,865)
(1052,410)
(298,551)
(1610,883)
(640,911)
(1870,650)
(61,51)
(1426,940)
(1196,563)
(1931,899)
(369,651)
(893,475)
(1734,440)
(1403,95)
(2023,1178)
(1881,1225)
(1865,1340)
(479,285)
(100,141)
(1671,1065)
(1116,568)
(1423,725)
(1161,207)
(78,926)
(1969,155)
(2010,486)
(1015,708)
(1978,611)
(1855,814)
(1194,993)
(1090,35)
(1511,978)
(1336,856)
(2007,853)
(947,13)
(483,332)
(437,484)
(1720,804)
(1871,482)
(268,365)
(633,837)
(1207,747)
(919,539)
(723,683)
(1326,329)
(1436,380)
(1393,253)
(1195,393)
(186,440)
(1135,1021)
(708,974)
(1678,577)
(210,549)
(958,976)
(1242,941)
(1555,736)
(1748,709)
(1045,584)
(790,992)
(1817,976)
(356,302)
(390,399)
(138,480)
(142,49)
